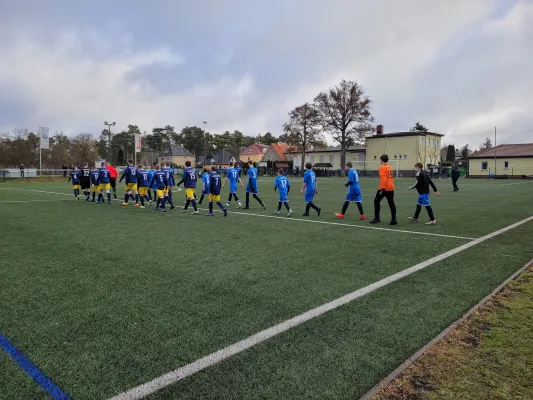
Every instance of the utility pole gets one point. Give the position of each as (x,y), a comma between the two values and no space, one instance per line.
(109,125)
(494,152)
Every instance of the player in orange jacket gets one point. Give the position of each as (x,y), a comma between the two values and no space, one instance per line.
(386,189)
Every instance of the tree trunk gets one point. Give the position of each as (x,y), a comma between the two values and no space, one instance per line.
(302,168)
(343,157)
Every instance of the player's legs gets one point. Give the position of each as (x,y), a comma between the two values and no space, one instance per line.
(247,201)
(259,201)
(389,194)
(108,191)
(377,206)
(201,198)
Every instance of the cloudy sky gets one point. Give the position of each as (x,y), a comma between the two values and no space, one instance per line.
(459,67)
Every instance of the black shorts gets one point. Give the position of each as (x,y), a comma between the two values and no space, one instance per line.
(85,184)
(113,182)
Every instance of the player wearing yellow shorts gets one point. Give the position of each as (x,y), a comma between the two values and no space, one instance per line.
(159,180)
(130,173)
(215,184)
(104,183)
(189,178)
(143,182)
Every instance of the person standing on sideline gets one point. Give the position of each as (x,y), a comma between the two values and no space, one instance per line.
(113,175)
(456,174)
(386,189)
(22,170)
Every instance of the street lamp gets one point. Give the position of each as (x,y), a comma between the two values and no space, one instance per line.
(109,125)
(205,141)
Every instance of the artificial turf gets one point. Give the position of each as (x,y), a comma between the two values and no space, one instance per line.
(103,297)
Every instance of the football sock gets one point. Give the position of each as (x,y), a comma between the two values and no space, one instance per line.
(313,206)
(360,207)
(187,204)
(94,194)
(430,213)
(307,207)
(345,207)
(142,201)
(132,196)
(279,205)
(150,195)
(169,200)
(108,196)
(126,197)
(147,197)
(201,199)
(210,207)
(286,206)
(100,197)
(247,199)
(229,197)
(170,194)
(258,199)
(220,205)
(417,212)
(137,198)
(162,202)
(193,202)
(235,197)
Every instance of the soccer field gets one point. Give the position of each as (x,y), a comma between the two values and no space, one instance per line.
(103,298)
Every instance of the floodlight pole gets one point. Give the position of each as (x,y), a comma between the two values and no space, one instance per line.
(109,125)
(495,152)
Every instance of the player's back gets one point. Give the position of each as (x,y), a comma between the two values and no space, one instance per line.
(131,174)
(190,178)
(252,174)
(232,175)
(160,179)
(215,183)
(282,184)
(143,179)
(95,176)
(75,175)
(169,173)
(103,175)
(386,177)
(205,179)
(85,174)
(310,179)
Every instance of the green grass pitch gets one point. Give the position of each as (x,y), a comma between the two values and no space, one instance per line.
(103,298)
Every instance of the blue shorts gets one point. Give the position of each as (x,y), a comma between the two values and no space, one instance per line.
(283,198)
(206,191)
(423,199)
(309,196)
(252,190)
(354,197)
(233,188)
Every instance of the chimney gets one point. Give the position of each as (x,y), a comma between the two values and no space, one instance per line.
(379,129)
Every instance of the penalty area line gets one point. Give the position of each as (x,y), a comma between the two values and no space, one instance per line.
(181,373)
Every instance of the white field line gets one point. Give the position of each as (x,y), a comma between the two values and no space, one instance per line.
(298,219)
(172,377)
(516,183)
(32,201)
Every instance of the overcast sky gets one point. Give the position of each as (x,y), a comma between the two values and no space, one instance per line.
(459,67)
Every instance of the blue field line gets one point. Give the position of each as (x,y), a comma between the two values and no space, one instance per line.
(24,362)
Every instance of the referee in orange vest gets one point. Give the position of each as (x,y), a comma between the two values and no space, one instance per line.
(113,175)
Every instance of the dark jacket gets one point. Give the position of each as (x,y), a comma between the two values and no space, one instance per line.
(423,182)
(456,174)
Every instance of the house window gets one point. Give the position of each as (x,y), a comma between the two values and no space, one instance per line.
(395,157)
(331,159)
(484,165)
(312,160)
(421,141)
(506,164)
(375,157)
(321,159)
(405,156)
(400,156)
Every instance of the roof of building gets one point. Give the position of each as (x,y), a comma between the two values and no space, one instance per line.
(255,148)
(400,134)
(222,157)
(174,150)
(280,149)
(356,149)
(506,151)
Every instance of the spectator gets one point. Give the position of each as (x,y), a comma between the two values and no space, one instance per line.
(455,177)
(22,170)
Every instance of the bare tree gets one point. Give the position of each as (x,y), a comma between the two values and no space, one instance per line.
(344,112)
(303,129)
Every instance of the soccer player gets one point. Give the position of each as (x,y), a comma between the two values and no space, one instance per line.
(456,174)
(113,175)
(189,178)
(143,181)
(215,183)
(252,186)
(283,186)
(159,180)
(104,184)
(75,176)
(95,178)
(354,192)
(130,173)
(170,179)
(151,174)
(423,181)
(233,176)
(205,185)
(309,189)
(386,189)
(85,181)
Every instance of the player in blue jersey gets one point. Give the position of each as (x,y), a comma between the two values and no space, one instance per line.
(309,189)
(130,173)
(170,179)
(233,177)
(283,186)
(143,181)
(189,179)
(104,183)
(354,192)
(159,181)
(95,177)
(205,185)
(75,176)
(252,186)
(239,170)
(215,185)
(151,173)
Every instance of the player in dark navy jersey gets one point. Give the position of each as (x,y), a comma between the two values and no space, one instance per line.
(130,173)
(75,177)
(143,181)
(215,184)
(159,180)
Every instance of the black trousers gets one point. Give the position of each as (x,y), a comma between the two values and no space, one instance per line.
(113,182)
(389,195)
(454,182)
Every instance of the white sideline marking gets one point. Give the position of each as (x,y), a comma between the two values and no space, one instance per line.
(297,219)
(31,201)
(172,377)
(516,183)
